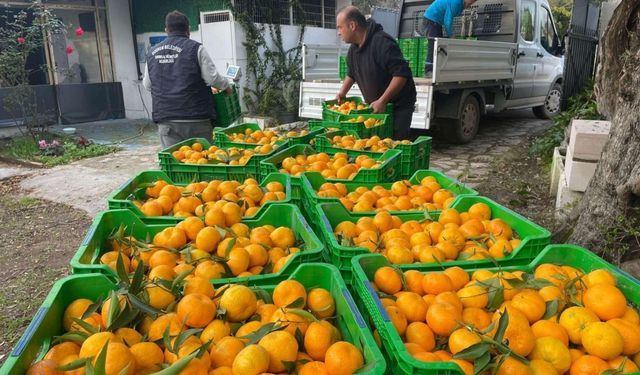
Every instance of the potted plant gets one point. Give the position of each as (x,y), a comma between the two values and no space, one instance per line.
(290,94)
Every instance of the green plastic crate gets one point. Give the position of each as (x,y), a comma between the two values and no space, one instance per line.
(325,125)
(227,107)
(349,319)
(47,322)
(221,138)
(119,199)
(410,48)
(415,156)
(342,67)
(387,171)
(330,115)
(401,362)
(87,258)
(383,131)
(311,182)
(186,173)
(534,237)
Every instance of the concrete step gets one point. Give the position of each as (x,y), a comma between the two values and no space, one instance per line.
(587,138)
(578,172)
(566,198)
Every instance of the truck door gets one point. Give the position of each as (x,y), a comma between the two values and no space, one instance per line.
(549,65)
(527,49)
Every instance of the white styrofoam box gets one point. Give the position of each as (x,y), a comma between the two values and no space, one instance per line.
(587,138)
(578,173)
(566,199)
(557,168)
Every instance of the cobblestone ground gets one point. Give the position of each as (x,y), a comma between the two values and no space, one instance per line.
(498,134)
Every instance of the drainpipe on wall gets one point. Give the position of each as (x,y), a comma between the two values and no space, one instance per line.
(135,40)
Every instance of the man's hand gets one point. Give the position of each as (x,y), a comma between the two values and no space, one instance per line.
(340,97)
(229,91)
(378,106)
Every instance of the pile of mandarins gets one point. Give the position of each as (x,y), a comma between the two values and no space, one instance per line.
(195,154)
(374,144)
(218,246)
(336,166)
(368,122)
(230,331)
(347,106)
(198,197)
(560,320)
(471,235)
(402,196)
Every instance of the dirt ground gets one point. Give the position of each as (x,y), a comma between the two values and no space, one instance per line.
(520,181)
(38,240)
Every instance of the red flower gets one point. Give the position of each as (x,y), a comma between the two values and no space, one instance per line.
(69,50)
(79,31)
(21,40)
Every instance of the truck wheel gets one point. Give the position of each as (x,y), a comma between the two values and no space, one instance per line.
(465,127)
(551,106)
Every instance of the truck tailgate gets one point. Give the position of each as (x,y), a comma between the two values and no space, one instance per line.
(460,60)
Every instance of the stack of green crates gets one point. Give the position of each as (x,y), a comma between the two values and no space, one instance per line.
(227,107)
(385,130)
(331,115)
(181,172)
(415,156)
(221,136)
(423,44)
(342,67)
(415,52)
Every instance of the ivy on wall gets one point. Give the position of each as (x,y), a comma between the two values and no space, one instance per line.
(273,73)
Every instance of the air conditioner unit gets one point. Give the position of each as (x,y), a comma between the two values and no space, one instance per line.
(215,16)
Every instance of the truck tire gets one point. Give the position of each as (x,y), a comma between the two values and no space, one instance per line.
(464,128)
(551,107)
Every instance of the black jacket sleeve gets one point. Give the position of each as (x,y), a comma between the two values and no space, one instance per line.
(350,63)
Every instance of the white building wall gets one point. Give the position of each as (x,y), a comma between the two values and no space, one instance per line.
(122,48)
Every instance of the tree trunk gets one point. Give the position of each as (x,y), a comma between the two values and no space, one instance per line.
(612,198)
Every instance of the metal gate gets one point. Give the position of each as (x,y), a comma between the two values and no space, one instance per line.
(580,56)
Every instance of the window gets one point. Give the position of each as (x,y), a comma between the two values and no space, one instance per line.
(527,20)
(269,11)
(308,12)
(36,61)
(329,14)
(76,57)
(317,13)
(548,37)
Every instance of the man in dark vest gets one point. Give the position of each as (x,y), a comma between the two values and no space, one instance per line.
(179,73)
(376,64)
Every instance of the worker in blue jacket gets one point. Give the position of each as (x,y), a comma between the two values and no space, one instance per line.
(440,13)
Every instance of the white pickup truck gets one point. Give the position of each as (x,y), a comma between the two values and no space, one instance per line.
(513,61)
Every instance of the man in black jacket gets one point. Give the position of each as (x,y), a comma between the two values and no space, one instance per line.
(179,73)
(376,64)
